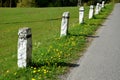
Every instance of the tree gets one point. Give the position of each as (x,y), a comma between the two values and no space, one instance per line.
(1,3)
(8,3)
(26,3)
(47,3)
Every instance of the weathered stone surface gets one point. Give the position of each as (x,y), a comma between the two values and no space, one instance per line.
(97,9)
(100,7)
(103,4)
(64,24)
(81,15)
(91,11)
(24,47)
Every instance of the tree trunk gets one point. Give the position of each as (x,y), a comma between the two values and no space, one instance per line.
(79,2)
(10,3)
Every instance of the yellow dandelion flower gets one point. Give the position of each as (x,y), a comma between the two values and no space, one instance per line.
(57,50)
(34,71)
(15,73)
(33,79)
(45,71)
(7,71)
(34,67)
(39,70)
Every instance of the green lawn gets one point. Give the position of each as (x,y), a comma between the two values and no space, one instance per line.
(41,20)
(52,56)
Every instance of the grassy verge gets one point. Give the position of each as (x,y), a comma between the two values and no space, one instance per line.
(52,56)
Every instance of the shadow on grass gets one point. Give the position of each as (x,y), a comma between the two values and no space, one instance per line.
(93,24)
(32,21)
(62,64)
(96,17)
(84,35)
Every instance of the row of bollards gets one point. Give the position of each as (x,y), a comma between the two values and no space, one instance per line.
(65,18)
(25,35)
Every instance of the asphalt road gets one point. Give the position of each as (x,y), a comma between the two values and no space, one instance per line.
(102,59)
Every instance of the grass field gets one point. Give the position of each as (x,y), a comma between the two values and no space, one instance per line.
(52,56)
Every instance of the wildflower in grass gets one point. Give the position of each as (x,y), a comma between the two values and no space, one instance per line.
(45,71)
(38,70)
(36,45)
(48,50)
(33,79)
(15,73)
(7,71)
(59,56)
(34,71)
(61,52)
(51,57)
(34,67)
(57,50)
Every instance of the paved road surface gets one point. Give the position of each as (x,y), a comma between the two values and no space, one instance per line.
(102,59)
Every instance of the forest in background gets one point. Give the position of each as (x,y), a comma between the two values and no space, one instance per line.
(48,3)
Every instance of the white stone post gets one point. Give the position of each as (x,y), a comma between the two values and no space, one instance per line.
(91,11)
(24,47)
(81,15)
(100,7)
(103,4)
(97,9)
(64,24)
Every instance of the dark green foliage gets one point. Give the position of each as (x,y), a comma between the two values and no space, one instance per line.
(8,3)
(49,3)
(26,3)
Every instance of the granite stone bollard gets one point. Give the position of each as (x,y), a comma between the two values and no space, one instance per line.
(91,11)
(65,24)
(100,7)
(103,4)
(81,15)
(97,9)
(24,47)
